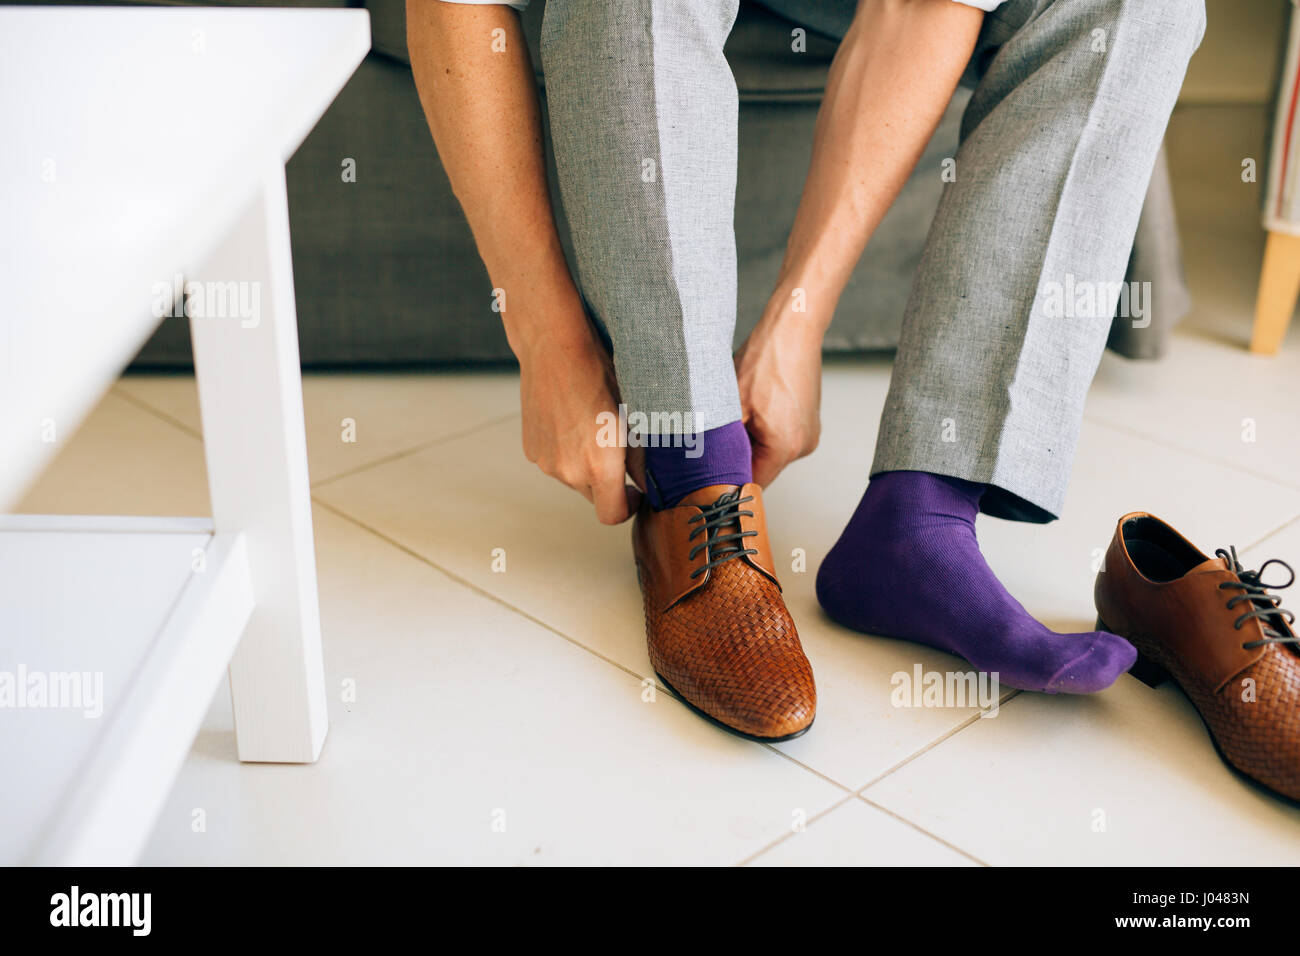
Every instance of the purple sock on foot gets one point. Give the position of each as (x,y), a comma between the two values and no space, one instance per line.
(908,566)
(724,458)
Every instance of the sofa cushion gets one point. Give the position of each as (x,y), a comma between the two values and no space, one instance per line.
(761,50)
(388,28)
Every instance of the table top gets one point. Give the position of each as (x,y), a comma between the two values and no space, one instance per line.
(131,139)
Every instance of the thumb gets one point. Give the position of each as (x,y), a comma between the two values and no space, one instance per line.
(767,465)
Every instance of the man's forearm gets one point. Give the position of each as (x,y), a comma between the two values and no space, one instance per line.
(477,89)
(890,82)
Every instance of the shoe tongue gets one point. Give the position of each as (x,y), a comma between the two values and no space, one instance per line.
(709,494)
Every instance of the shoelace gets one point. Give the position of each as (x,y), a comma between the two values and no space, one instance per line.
(1264,606)
(721,548)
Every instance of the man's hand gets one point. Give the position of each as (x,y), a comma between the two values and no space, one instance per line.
(779,371)
(563,388)
(891,79)
(476,84)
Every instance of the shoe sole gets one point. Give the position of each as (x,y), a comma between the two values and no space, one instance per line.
(1153,675)
(727,727)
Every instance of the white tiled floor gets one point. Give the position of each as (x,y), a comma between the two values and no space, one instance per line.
(484,697)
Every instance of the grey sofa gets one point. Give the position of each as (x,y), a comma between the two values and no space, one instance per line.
(385,267)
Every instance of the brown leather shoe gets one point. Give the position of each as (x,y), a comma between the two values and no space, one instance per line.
(1211,625)
(718,631)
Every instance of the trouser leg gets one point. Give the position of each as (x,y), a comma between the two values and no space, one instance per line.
(1021,273)
(643,111)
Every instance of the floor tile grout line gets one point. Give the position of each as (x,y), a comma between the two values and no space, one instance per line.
(920,829)
(451,575)
(415,449)
(859,792)
(803,766)
(347,473)
(497,599)
(949,734)
(1201,456)
(158,413)
(1278,530)
(785,836)
(885,810)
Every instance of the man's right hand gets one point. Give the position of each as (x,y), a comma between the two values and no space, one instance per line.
(564,386)
(479,94)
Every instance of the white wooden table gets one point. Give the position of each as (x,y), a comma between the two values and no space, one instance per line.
(138,145)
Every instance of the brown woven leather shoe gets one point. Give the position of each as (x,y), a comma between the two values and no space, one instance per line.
(718,631)
(1211,625)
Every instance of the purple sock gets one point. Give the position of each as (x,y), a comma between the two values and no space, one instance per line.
(908,566)
(724,458)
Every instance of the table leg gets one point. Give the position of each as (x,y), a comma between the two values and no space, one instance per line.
(1279,284)
(250,395)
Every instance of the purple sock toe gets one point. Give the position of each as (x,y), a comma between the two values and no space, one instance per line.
(1107,655)
(908,566)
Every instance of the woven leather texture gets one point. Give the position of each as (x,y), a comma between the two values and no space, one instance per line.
(1261,738)
(731,649)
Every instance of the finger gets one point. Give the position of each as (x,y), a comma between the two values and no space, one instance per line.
(610,500)
(767,465)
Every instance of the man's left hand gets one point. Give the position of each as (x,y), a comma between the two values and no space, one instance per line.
(779,371)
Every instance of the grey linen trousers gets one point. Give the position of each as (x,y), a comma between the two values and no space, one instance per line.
(1023,265)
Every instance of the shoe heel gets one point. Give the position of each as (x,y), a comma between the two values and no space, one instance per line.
(1148,671)
(1144,668)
